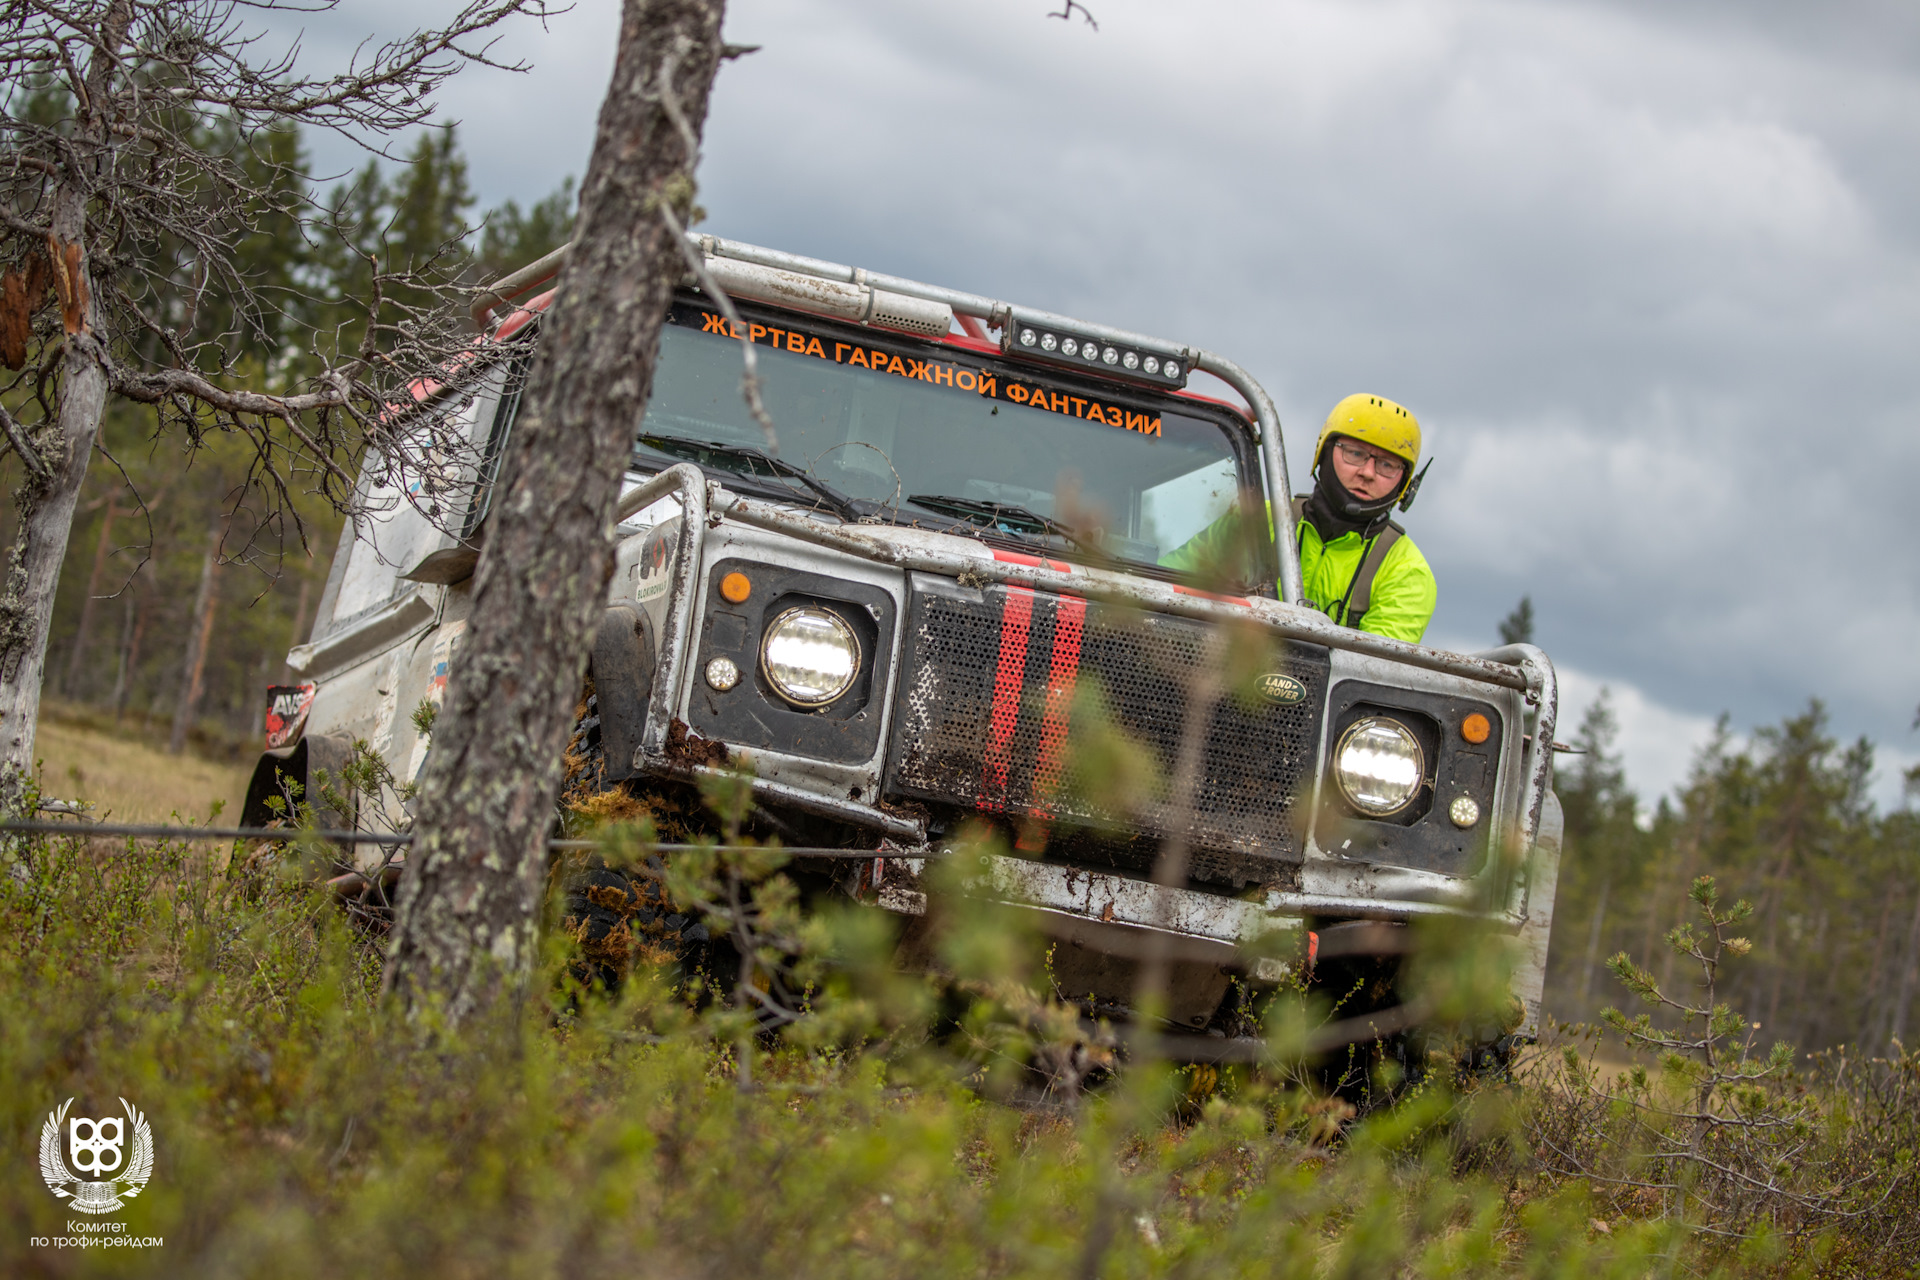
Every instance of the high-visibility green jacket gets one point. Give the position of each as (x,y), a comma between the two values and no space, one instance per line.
(1404,590)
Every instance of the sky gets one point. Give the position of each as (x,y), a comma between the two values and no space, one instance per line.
(1646,273)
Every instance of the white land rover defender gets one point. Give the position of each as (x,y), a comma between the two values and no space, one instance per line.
(891,625)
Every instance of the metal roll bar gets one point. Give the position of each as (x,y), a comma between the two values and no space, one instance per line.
(677,642)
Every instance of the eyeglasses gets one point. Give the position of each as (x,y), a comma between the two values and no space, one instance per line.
(1385,465)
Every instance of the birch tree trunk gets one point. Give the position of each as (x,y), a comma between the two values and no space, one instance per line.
(46,502)
(51,489)
(465,932)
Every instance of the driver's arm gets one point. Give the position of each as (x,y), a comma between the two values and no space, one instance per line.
(1215,548)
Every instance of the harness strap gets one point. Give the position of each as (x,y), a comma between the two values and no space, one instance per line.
(1359,598)
(1360,593)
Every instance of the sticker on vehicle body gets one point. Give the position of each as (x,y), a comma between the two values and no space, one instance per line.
(445,645)
(938,372)
(650,577)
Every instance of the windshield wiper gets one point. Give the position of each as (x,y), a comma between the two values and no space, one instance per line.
(692,450)
(1003,516)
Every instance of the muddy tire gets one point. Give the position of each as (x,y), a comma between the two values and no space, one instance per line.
(620,919)
(586,758)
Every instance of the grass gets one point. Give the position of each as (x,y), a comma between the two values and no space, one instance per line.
(127,777)
(302,1127)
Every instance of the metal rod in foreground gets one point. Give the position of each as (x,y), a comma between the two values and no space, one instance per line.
(97,830)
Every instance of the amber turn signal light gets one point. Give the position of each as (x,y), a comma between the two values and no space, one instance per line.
(1475,728)
(736,588)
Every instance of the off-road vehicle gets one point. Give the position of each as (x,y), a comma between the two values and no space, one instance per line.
(907,620)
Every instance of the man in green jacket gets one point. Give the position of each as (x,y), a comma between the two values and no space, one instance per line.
(1358,567)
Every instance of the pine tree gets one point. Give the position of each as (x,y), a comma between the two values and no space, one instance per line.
(514,238)
(1517,627)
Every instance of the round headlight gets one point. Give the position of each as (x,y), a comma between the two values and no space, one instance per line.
(810,656)
(1378,766)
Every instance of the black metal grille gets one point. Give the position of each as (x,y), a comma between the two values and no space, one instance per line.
(994,706)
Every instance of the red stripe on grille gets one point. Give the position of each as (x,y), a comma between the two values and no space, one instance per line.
(1032,562)
(1069,617)
(1009,678)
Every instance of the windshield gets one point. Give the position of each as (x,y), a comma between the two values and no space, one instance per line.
(981,442)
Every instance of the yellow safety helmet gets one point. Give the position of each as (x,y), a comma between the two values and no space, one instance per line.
(1378,421)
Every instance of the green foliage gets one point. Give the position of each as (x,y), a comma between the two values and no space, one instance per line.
(514,238)
(302,1130)
(389,235)
(1768,1162)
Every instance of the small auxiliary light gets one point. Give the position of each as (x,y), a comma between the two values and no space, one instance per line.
(1475,728)
(736,587)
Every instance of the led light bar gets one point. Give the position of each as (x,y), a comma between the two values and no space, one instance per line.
(1033,335)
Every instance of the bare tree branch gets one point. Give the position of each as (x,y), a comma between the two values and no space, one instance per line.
(1066,13)
(145,148)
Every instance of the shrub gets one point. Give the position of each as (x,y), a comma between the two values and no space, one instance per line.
(1757,1156)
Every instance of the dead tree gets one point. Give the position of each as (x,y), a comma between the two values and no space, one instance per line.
(468,909)
(137,154)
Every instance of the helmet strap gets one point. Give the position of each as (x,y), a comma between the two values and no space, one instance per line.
(1344,505)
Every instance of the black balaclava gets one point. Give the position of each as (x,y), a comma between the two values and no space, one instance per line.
(1334,512)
